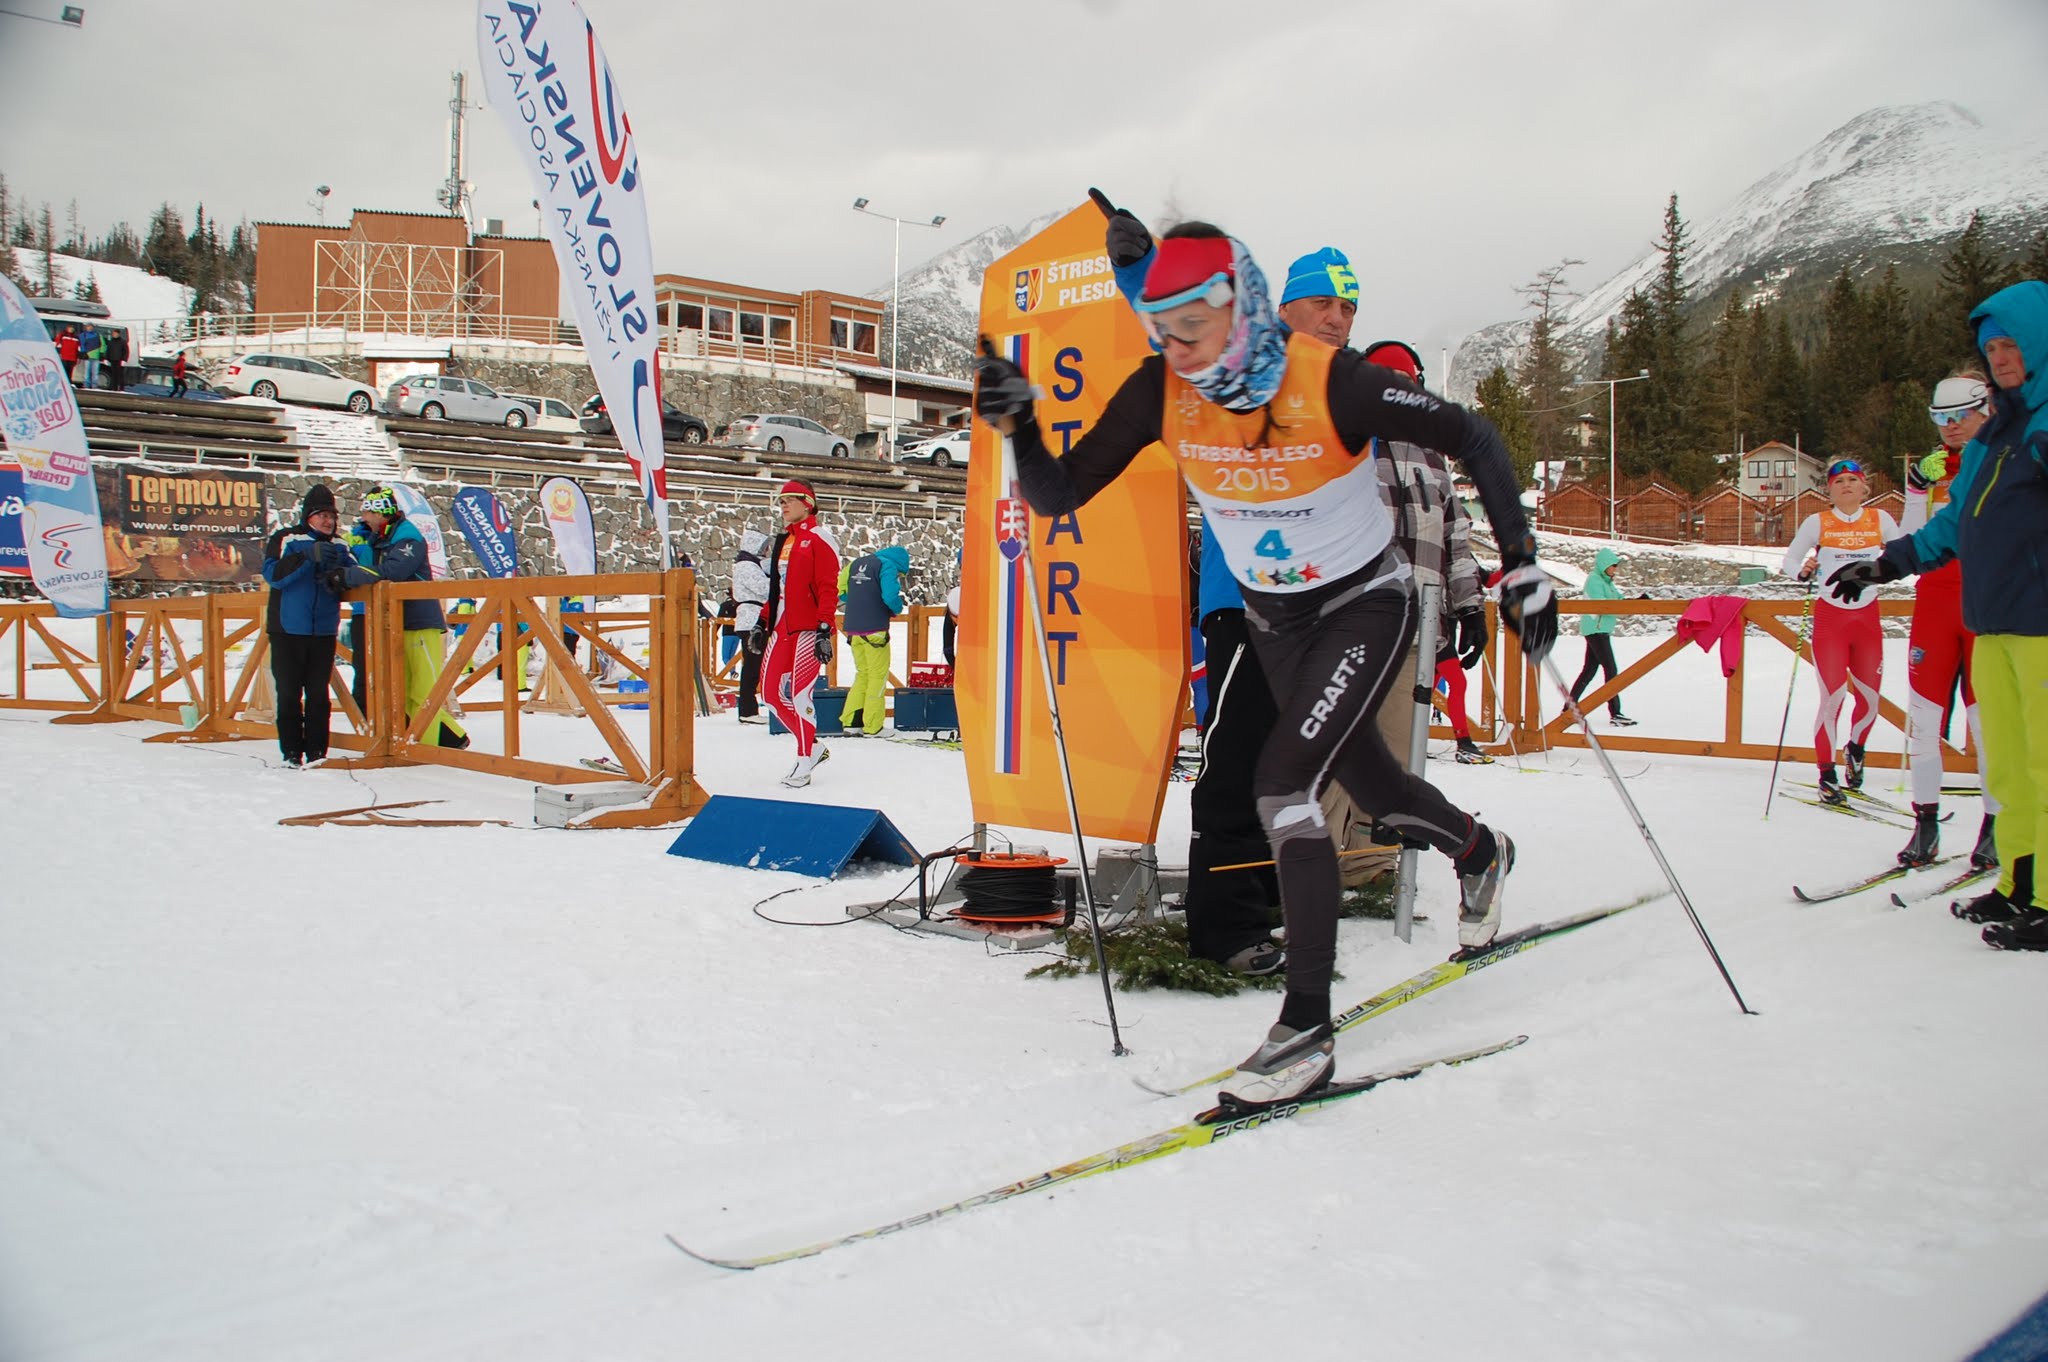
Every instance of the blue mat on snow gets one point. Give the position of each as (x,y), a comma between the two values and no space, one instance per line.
(803,839)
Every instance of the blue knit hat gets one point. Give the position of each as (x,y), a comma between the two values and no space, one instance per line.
(1321,274)
(1988,330)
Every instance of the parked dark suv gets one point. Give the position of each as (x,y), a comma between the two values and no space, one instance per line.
(676,427)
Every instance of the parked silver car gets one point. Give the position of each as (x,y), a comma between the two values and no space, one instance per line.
(775,433)
(440,397)
(944,452)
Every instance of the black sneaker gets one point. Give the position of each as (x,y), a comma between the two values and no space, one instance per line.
(1989,906)
(1831,788)
(1853,751)
(2028,931)
(1616,719)
(1926,843)
(1258,959)
(1986,854)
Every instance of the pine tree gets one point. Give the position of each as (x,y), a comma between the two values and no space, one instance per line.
(1634,347)
(1501,400)
(74,237)
(9,267)
(2035,264)
(163,248)
(1786,391)
(48,245)
(1970,273)
(1670,440)
(87,289)
(1545,376)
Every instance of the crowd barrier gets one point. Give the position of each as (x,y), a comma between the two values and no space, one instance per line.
(179,661)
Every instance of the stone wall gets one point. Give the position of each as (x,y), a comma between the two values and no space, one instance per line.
(712,397)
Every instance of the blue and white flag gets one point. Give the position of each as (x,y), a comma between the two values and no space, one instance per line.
(13,550)
(481,518)
(39,422)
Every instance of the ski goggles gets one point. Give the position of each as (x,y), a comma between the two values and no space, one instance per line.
(1165,320)
(1841,467)
(1953,416)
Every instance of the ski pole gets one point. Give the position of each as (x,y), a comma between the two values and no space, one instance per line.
(1805,617)
(1059,742)
(1431,600)
(1628,802)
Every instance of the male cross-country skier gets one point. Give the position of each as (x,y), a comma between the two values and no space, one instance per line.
(1996,526)
(1273,432)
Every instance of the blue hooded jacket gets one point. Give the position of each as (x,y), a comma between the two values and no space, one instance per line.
(1996,520)
(871,589)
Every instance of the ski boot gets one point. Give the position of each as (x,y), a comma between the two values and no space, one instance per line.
(1831,788)
(1289,1064)
(1479,896)
(2026,932)
(800,774)
(1468,754)
(1986,854)
(1926,843)
(1854,777)
(1994,905)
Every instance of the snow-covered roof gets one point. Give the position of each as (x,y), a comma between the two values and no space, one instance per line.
(939,381)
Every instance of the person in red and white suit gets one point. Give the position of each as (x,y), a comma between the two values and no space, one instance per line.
(803,598)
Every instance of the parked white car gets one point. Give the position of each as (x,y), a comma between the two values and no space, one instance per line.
(443,397)
(550,413)
(775,433)
(292,378)
(943,452)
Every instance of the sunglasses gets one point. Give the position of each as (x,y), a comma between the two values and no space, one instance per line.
(1217,291)
(1956,415)
(1841,466)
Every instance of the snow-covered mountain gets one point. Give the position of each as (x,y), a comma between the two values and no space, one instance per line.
(1892,177)
(941,299)
(131,294)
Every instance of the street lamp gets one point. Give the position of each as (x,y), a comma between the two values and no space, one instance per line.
(895,316)
(1613,528)
(71,16)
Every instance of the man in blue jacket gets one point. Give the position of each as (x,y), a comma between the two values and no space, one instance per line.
(398,553)
(1996,525)
(302,618)
(870,595)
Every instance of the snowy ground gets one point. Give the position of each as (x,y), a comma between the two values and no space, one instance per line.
(277,1093)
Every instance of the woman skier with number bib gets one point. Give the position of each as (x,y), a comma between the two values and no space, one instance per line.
(1273,432)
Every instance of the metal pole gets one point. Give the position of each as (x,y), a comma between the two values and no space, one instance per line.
(895,331)
(1613,526)
(1628,802)
(1430,596)
(1059,741)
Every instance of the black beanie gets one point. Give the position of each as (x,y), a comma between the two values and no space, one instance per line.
(318,499)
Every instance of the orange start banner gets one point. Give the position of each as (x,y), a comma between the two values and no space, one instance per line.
(1111,579)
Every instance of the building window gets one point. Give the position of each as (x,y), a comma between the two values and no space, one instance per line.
(780,330)
(839,337)
(1784,468)
(690,316)
(753,327)
(864,337)
(1759,468)
(721,323)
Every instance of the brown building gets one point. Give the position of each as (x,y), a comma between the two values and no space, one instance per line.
(1656,512)
(414,274)
(1575,507)
(816,328)
(1726,516)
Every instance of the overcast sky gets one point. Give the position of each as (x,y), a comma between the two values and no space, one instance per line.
(1452,147)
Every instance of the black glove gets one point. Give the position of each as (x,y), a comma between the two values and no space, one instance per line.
(757,640)
(335,579)
(1851,578)
(1471,633)
(1126,240)
(1000,388)
(1528,602)
(821,646)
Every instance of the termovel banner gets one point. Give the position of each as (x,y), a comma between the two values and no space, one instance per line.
(182,524)
(1111,578)
(40,426)
(548,79)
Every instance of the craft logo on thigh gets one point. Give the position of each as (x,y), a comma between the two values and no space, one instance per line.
(1333,691)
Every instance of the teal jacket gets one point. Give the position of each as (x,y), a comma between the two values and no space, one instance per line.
(1600,587)
(1996,520)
